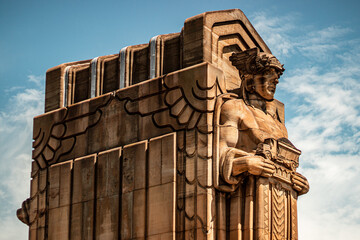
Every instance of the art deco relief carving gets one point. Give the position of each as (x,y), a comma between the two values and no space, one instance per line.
(177,105)
(57,135)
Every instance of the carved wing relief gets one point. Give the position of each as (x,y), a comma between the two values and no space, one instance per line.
(57,134)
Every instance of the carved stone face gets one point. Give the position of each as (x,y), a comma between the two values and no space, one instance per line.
(265,83)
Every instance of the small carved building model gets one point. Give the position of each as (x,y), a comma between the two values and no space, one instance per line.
(179,138)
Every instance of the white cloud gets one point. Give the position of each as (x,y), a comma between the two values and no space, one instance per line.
(38,80)
(13,89)
(279,41)
(286,39)
(327,129)
(11,228)
(322,94)
(15,146)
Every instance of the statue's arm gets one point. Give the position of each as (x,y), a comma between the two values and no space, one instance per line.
(235,161)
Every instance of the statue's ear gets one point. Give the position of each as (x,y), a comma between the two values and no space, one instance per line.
(249,83)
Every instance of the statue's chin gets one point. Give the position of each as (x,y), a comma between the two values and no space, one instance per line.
(268,97)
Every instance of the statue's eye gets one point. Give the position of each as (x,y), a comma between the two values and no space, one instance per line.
(268,72)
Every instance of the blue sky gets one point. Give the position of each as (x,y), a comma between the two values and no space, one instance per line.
(319,43)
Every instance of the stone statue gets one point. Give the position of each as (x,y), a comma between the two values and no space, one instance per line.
(254,155)
(249,120)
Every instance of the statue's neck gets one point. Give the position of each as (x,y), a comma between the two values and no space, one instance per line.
(257,101)
(260,103)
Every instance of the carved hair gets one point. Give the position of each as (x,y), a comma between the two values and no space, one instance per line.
(252,62)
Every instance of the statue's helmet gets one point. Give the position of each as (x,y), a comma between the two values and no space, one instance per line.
(252,61)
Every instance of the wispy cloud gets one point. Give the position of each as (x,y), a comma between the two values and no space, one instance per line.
(38,80)
(13,89)
(286,39)
(322,96)
(327,128)
(276,31)
(15,146)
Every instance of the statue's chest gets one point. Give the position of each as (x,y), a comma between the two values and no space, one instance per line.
(263,125)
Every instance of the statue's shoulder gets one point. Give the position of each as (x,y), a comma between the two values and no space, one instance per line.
(233,105)
(235,101)
(230,107)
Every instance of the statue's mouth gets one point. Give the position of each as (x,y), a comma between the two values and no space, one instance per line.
(271,89)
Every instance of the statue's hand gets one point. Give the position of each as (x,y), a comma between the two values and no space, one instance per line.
(300,183)
(258,165)
(255,165)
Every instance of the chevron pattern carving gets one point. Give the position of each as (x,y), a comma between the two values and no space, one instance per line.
(278,213)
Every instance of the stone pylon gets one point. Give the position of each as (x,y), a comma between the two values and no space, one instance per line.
(142,145)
